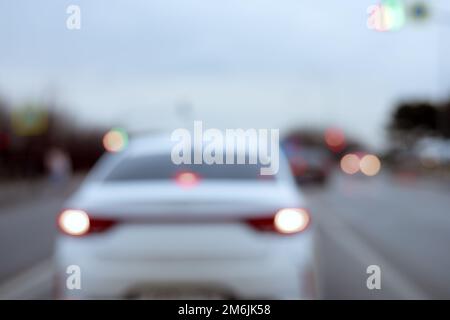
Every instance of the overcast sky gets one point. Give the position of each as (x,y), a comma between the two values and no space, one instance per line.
(239,63)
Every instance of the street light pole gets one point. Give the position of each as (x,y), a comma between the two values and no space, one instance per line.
(419,12)
(442,21)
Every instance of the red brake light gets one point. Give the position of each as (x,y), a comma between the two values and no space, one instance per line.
(78,223)
(187,179)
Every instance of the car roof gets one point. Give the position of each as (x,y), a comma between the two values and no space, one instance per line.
(151,143)
(163,143)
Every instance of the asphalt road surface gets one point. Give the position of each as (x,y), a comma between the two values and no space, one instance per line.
(402,226)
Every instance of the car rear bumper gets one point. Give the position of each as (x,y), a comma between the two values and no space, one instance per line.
(237,265)
(231,279)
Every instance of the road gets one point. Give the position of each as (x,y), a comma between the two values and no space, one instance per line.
(27,233)
(402,226)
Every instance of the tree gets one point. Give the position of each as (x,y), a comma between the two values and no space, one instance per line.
(420,115)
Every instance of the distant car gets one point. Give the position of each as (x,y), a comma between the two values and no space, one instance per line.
(308,164)
(142,227)
(432,152)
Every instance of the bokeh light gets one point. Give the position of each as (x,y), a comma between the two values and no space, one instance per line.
(389,15)
(370,165)
(187,179)
(291,220)
(115,140)
(74,222)
(393,15)
(335,139)
(350,163)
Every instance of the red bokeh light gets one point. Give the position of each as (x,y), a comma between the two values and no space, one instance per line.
(187,179)
(335,139)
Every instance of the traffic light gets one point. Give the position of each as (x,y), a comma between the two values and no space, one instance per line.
(393,14)
(388,15)
(419,11)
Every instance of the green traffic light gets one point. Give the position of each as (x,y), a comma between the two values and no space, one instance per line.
(393,14)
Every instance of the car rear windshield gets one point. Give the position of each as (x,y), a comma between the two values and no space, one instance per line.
(161,167)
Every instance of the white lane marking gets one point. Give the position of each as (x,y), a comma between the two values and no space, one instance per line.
(356,246)
(30,283)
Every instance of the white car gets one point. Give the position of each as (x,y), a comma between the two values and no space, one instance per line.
(143,227)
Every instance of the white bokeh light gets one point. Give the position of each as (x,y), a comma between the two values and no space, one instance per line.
(291,220)
(74,222)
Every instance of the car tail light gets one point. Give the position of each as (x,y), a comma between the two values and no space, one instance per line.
(291,220)
(285,221)
(74,222)
(262,224)
(78,223)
